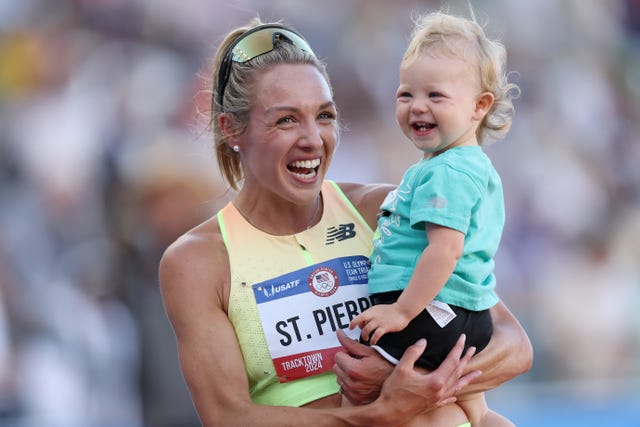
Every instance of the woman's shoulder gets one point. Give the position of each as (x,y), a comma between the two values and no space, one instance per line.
(366,198)
(197,260)
(363,193)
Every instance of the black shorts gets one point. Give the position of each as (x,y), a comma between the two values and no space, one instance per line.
(476,325)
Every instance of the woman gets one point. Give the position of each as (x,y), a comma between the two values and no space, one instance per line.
(286,231)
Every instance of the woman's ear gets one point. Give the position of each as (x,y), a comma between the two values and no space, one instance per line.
(226,124)
(228,129)
(483,105)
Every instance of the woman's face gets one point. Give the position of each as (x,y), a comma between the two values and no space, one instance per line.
(291,135)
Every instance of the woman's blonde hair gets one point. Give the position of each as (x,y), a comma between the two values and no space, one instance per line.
(237,93)
(466,39)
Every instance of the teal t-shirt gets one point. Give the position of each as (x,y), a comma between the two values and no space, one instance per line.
(459,189)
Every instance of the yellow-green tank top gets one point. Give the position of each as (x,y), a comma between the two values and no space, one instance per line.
(255,256)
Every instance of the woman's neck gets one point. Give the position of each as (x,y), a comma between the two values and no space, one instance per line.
(279,218)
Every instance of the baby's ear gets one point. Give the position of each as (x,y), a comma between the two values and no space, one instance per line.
(483,105)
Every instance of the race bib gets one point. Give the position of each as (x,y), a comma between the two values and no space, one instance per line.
(302,310)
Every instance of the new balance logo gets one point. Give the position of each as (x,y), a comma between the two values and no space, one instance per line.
(340,233)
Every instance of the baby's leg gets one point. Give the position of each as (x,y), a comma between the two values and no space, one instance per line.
(447,416)
(475,406)
(493,419)
(345,403)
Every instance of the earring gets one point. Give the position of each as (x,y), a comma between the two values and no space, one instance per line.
(236,148)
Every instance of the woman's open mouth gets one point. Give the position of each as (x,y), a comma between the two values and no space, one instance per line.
(304,169)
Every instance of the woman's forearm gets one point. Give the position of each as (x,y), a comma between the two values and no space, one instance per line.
(508,354)
(405,394)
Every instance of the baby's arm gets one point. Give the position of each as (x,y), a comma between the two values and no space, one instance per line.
(433,269)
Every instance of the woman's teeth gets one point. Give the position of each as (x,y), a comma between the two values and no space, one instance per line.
(306,164)
(304,169)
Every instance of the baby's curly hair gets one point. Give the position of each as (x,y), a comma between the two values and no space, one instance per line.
(465,38)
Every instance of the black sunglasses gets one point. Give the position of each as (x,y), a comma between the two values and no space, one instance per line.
(255,42)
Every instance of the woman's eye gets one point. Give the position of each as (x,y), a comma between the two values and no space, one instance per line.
(327,116)
(285,120)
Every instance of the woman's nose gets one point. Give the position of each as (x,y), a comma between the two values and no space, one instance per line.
(312,135)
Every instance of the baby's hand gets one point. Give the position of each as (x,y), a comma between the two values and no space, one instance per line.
(378,320)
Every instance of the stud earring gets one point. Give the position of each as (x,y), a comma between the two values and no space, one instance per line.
(236,148)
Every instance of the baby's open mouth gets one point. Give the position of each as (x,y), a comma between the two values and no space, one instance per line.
(423,126)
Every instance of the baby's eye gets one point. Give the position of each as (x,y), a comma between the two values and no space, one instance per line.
(404,95)
(435,95)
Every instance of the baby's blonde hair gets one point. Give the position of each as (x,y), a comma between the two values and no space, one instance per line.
(466,39)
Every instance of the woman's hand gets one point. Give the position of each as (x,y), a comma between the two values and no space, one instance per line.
(361,372)
(417,391)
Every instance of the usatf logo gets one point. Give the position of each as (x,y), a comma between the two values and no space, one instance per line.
(323,282)
(340,233)
(278,288)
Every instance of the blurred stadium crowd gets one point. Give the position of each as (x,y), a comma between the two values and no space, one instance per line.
(105,160)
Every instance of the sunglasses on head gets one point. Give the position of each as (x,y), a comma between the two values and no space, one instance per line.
(255,42)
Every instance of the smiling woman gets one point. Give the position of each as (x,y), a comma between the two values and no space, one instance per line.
(254,356)
(287,148)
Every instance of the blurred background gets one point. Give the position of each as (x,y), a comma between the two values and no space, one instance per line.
(105,159)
